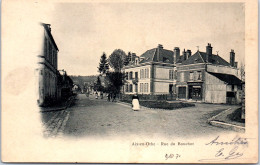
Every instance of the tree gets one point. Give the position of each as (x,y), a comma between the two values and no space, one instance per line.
(117,59)
(98,85)
(114,81)
(127,59)
(103,64)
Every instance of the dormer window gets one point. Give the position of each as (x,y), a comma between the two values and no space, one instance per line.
(165,59)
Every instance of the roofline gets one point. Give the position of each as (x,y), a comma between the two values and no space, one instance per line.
(201,57)
(49,34)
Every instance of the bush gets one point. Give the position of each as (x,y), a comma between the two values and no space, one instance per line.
(162,104)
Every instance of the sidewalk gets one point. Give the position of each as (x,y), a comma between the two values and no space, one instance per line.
(61,106)
(224,120)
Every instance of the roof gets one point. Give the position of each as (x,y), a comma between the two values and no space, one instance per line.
(148,56)
(46,27)
(229,79)
(165,56)
(201,57)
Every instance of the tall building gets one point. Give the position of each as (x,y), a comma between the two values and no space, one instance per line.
(47,68)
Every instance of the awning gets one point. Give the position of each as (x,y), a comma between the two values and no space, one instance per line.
(229,79)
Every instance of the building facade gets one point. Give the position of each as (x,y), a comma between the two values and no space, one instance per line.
(202,76)
(154,72)
(208,78)
(47,68)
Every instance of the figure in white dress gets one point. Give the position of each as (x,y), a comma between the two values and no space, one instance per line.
(135,103)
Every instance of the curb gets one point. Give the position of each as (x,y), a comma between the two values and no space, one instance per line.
(68,103)
(225,125)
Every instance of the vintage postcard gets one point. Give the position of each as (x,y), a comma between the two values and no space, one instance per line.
(123,81)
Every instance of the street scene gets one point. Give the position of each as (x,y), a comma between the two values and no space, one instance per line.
(106,88)
(98,117)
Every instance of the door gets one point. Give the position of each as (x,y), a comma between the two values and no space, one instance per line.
(182,92)
(196,93)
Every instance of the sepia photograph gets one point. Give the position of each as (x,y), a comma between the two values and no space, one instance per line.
(130,82)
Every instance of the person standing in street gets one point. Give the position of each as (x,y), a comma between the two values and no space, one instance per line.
(101,95)
(135,102)
(96,95)
(108,96)
(114,97)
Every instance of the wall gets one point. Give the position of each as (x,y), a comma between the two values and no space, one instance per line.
(162,79)
(162,72)
(161,87)
(222,69)
(214,89)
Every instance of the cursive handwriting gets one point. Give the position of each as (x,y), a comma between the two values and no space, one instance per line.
(224,154)
(171,156)
(235,141)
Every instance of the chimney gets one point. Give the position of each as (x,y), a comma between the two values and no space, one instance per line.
(209,52)
(232,58)
(133,57)
(176,54)
(188,54)
(158,51)
(184,55)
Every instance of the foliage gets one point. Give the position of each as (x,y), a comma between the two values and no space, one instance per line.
(103,64)
(98,86)
(114,81)
(127,59)
(117,59)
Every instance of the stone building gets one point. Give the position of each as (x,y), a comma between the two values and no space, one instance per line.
(209,78)
(47,68)
(202,76)
(154,72)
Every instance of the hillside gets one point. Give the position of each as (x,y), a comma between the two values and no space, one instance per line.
(80,80)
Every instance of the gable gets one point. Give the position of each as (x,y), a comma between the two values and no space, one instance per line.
(196,58)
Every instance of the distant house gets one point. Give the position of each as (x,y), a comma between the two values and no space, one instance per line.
(209,78)
(154,72)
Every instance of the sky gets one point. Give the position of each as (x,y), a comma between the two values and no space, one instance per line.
(83,31)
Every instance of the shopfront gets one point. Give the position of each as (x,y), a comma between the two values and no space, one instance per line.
(195,91)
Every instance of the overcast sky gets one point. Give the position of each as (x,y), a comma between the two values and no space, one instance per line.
(83,31)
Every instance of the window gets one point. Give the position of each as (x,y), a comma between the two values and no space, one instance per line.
(136,75)
(175,75)
(191,75)
(131,75)
(144,73)
(145,87)
(165,59)
(136,88)
(141,87)
(171,76)
(170,88)
(182,77)
(126,87)
(126,75)
(147,73)
(199,75)
(130,88)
